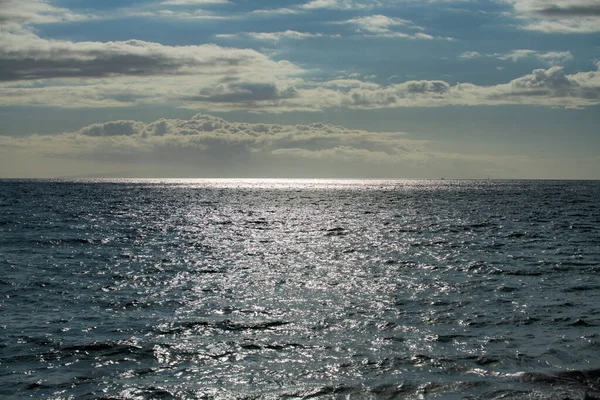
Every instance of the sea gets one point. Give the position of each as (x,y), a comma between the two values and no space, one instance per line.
(299,289)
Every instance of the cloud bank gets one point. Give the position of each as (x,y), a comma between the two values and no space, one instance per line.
(207,146)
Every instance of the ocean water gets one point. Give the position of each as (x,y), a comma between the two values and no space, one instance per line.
(259,289)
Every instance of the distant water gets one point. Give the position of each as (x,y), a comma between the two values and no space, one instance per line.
(299,289)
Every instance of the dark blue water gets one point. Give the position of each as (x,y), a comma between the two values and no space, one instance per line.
(299,289)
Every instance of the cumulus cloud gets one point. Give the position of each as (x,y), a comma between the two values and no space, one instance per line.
(205,134)
(209,146)
(549,87)
(545,87)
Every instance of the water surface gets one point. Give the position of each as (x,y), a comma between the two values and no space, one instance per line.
(189,289)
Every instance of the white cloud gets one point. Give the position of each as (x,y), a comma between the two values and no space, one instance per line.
(276,11)
(469,55)
(316,5)
(335,4)
(377,24)
(16,13)
(275,36)
(386,27)
(548,57)
(551,57)
(192,2)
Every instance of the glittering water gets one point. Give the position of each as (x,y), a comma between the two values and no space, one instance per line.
(299,289)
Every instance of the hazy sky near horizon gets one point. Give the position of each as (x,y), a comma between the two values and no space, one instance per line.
(300,88)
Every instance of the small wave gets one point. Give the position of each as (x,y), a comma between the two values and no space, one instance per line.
(338,231)
(224,325)
(581,323)
(105,349)
(581,288)
(588,380)
(70,241)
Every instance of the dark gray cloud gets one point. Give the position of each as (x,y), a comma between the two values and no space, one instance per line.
(439,87)
(551,10)
(26,57)
(558,16)
(244,92)
(112,128)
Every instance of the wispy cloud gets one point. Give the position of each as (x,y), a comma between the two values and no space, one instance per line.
(550,57)
(387,27)
(275,36)
(192,2)
(547,57)
(15,13)
(469,55)
(379,24)
(336,4)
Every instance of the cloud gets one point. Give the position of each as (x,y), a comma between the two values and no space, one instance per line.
(204,134)
(386,27)
(25,56)
(269,12)
(558,8)
(252,92)
(21,15)
(469,55)
(245,92)
(558,16)
(551,57)
(275,36)
(377,24)
(548,57)
(192,2)
(209,146)
(551,87)
(350,83)
(15,13)
(336,5)
(62,73)
(316,5)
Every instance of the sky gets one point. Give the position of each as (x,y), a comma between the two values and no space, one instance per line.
(300,89)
